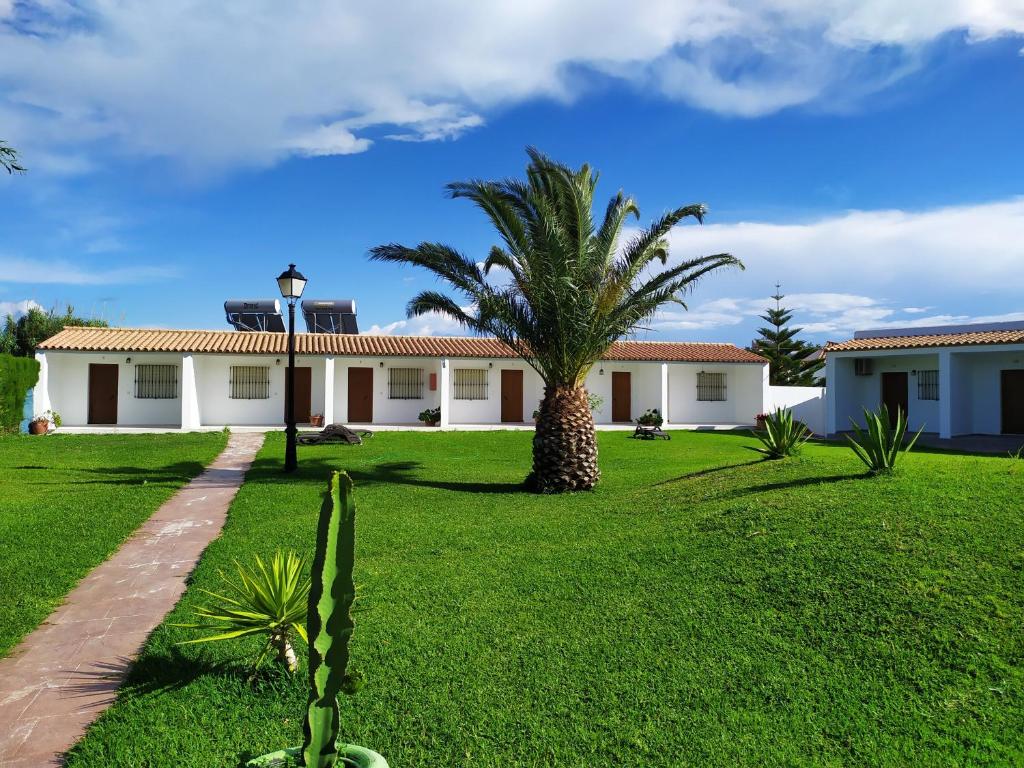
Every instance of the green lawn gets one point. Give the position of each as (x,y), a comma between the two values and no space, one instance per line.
(700,608)
(68,501)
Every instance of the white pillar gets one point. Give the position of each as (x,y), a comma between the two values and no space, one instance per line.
(328,390)
(41,392)
(446,386)
(831,393)
(189,394)
(664,393)
(945,393)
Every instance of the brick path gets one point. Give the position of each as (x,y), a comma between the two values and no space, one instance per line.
(65,673)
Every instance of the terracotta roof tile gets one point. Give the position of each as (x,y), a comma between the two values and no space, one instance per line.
(930,340)
(238,342)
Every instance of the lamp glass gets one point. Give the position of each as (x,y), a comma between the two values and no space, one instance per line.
(291,283)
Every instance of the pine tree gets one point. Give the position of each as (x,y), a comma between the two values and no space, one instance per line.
(791,360)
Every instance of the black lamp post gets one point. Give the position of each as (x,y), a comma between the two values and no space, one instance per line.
(291,283)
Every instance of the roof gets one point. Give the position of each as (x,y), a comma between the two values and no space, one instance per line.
(74,338)
(961,339)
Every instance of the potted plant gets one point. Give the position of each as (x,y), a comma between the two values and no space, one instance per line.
(651,418)
(316,420)
(536,416)
(40,425)
(431,416)
(761,420)
(329,627)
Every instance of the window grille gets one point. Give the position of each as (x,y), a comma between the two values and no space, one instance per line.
(470,383)
(156,382)
(710,386)
(927,385)
(405,383)
(250,382)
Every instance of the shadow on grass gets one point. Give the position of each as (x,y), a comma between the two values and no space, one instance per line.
(799,482)
(181,471)
(385,473)
(709,471)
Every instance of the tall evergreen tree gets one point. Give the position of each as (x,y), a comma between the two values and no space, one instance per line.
(792,362)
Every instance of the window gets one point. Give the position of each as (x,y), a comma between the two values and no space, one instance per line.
(470,383)
(710,386)
(156,382)
(250,382)
(927,385)
(405,383)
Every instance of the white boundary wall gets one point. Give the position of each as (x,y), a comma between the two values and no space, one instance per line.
(808,404)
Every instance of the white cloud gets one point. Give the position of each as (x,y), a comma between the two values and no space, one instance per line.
(39,272)
(862,269)
(219,85)
(17,308)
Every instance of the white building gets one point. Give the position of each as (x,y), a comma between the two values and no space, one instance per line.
(952,380)
(209,379)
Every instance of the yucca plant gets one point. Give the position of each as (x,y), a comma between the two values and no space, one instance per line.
(267,599)
(782,435)
(881,443)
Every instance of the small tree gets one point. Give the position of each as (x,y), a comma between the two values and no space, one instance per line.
(791,360)
(9,158)
(21,337)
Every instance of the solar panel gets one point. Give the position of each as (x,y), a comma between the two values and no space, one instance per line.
(330,315)
(254,315)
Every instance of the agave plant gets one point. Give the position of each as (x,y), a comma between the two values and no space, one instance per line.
(782,435)
(270,600)
(881,443)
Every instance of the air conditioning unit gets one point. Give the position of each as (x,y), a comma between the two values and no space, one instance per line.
(863,366)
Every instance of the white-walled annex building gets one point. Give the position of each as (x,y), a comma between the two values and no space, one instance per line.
(209,379)
(951,380)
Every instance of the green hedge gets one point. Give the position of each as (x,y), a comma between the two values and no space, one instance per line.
(17,376)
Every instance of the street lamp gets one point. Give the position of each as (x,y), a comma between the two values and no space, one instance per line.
(291,282)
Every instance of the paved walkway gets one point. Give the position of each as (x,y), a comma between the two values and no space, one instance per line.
(63,675)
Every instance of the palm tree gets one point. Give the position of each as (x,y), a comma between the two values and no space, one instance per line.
(9,158)
(570,292)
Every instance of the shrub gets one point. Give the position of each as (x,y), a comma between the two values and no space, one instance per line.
(265,601)
(17,376)
(782,435)
(880,445)
(430,415)
(595,401)
(651,418)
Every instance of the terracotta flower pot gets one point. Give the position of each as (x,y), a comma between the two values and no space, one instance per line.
(38,427)
(430,423)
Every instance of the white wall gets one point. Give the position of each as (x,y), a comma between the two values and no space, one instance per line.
(644,386)
(806,403)
(68,385)
(983,372)
(489,411)
(853,393)
(213,383)
(745,393)
(385,410)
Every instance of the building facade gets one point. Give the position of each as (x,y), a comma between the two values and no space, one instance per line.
(950,380)
(209,379)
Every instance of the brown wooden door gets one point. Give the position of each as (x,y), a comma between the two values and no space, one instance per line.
(303,394)
(360,395)
(511,396)
(622,395)
(102,393)
(895,395)
(1013,402)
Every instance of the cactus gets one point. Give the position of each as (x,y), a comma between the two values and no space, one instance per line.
(329,621)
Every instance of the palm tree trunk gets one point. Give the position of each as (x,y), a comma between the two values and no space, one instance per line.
(565,447)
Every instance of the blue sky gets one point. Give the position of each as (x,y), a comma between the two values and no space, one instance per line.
(866,155)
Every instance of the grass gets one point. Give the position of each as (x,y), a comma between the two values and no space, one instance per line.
(700,608)
(68,501)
